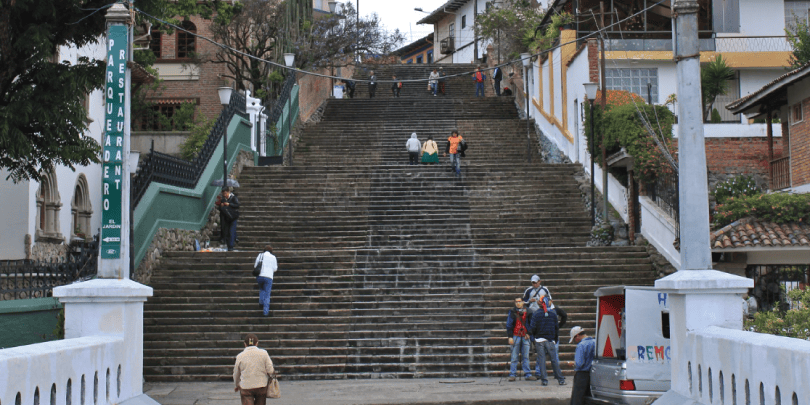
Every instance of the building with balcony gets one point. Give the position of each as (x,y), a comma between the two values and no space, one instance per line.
(455,40)
(419,51)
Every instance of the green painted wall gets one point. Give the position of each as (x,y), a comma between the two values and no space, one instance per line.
(24,322)
(164,206)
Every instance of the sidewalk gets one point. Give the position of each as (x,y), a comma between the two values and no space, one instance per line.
(467,391)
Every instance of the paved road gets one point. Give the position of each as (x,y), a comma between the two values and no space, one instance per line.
(468,391)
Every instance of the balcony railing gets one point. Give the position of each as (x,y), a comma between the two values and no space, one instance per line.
(780,173)
(664,193)
(448,45)
(752,44)
(662,41)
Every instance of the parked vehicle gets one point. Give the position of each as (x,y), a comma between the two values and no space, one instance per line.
(632,363)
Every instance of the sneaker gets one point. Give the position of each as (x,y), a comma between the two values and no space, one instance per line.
(512,378)
(531,378)
(545,383)
(562,382)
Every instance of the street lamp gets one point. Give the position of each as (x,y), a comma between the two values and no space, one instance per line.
(332,6)
(289,60)
(225,99)
(590,94)
(526,58)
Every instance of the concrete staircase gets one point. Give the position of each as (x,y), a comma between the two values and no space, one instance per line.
(387,270)
(459,82)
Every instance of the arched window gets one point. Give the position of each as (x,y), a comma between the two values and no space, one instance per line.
(48,205)
(185,41)
(81,209)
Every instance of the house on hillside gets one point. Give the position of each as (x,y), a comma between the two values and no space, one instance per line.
(638,58)
(419,51)
(455,40)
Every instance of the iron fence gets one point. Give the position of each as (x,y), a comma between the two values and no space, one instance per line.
(280,124)
(772,283)
(34,279)
(664,193)
(170,170)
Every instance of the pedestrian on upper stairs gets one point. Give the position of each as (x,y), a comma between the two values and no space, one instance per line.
(497,76)
(545,329)
(350,86)
(455,147)
(413,146)
(583,358)
(396,87)
(517,324)
(265,277)
(430,151)
(433,81)
(442,80)
(372,84)
(229,208)
(252,372)
(479,77)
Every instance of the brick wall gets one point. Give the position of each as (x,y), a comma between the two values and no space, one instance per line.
(314,90)
(800,148)
(727,157)
(205,88)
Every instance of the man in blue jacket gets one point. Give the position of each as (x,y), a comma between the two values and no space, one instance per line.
(586,351)
(545,328)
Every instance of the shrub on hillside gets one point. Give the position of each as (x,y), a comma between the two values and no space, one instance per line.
(779,208)
(735,187)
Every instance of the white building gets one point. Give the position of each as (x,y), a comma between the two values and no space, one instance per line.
(42,218)
(453,23)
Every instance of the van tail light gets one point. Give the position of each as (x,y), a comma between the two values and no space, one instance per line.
(627,385)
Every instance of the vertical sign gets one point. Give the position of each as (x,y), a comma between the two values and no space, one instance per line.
(113,142)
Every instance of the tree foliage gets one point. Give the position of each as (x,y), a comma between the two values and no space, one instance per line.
(777,207)
(42,118)
(793,323)
(798,35)
(329,41)
(510,26)
(714,78)
(256,28)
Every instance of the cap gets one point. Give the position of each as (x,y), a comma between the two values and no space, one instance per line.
(576,330)
(535,278)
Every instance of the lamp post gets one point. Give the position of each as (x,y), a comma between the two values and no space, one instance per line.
(590,94)
(225,99)
(289,60)
(527,61)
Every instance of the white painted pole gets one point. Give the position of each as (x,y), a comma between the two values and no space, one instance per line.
(693,185)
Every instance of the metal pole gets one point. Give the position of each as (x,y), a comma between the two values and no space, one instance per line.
(593,184)
(604,105)
(357,50)
(528,132)
(289,125)
(225,157)
(693,190)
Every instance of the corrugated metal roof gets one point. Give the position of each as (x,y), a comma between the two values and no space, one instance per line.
(438,14)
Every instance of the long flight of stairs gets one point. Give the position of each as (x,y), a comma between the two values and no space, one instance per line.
(387,270)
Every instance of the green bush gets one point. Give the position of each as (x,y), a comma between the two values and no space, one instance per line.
(735,187)
(779,208)
(791,323)
(716,118)
(199,130)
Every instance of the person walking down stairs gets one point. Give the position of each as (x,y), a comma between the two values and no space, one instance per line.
(433,81)
(372,84)
(455,147)
(265,278)
(413,146)
(251,372)
(430,151)
(479,78)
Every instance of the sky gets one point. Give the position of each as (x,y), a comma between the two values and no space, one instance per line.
(400,14)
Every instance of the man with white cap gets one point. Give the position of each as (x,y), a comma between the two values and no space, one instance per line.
(535,294)
(586,351)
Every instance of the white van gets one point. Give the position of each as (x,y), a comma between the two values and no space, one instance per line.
(632,363)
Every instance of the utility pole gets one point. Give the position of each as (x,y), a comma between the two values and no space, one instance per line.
(604,106)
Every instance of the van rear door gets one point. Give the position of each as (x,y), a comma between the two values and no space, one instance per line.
(647,338)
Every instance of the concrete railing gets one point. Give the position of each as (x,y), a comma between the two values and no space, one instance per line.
(728,366)
(73,371)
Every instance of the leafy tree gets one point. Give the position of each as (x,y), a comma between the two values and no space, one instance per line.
(331,40)
(199,129)
(798,35)
(511,27)
(714,77)
(791,322)
(42,119)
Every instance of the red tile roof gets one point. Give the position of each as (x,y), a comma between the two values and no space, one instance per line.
(751,233)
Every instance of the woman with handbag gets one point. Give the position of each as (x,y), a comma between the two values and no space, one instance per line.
(266,265)
(253,373)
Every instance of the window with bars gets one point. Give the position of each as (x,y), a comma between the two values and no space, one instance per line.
(185,41)
(155,43)
(796,11)
(633,80)
(158,118)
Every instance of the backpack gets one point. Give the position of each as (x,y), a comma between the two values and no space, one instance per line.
(462,146)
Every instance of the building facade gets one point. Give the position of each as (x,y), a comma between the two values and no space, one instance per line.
(453,31)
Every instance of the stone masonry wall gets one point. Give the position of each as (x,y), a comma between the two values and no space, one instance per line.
(183,239)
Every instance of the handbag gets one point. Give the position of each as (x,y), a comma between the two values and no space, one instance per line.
(257,268)
(230,214)
(273,390)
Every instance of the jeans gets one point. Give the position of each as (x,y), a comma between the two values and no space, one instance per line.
(497,87)
(544,348)
(455,162)
(520,348)
(231,226)
(266,284)
(434,88)
(479,88)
